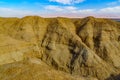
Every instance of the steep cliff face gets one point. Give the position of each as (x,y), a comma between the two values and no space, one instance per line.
(86,47)
(102,36)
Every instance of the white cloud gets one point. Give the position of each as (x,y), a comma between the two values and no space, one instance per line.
(113,3)
(64,11)
(10,12)
(60,8)
(68,9)
(76,12)
(86,11)
(67,1)
(115,9)
(54,8)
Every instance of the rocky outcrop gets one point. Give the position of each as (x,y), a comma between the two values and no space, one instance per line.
(86,47)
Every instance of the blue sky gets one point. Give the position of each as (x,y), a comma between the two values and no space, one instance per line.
(63,8)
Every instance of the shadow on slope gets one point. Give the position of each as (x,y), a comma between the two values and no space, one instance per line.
(112,77)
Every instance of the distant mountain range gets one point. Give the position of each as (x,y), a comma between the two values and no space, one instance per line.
(116,19)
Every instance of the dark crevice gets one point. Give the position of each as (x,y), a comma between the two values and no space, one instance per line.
(119,38)
(96,41)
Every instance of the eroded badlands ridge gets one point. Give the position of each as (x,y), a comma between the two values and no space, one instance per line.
(78,48)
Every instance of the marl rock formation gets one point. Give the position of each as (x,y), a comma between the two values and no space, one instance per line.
(36,48)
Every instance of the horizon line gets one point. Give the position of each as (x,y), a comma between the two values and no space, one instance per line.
(57,17)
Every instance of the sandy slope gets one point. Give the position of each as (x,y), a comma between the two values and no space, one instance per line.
(72,48)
